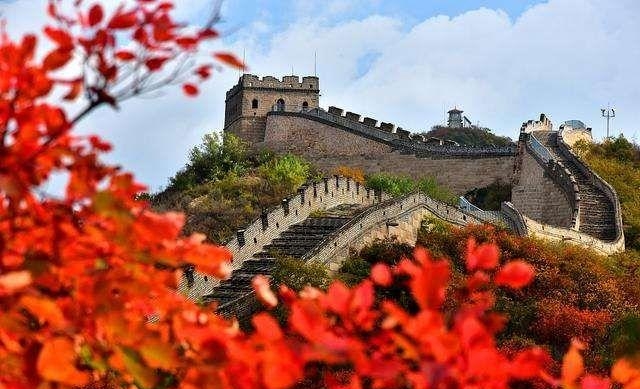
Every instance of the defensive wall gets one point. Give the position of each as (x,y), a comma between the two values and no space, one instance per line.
(546,195)
(398,218)
(313,197)
(331,139)
(543,189)
(249,101)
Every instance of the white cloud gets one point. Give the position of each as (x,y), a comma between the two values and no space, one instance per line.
(564,57)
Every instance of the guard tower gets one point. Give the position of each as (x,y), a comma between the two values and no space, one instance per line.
(249,101)
(455,118)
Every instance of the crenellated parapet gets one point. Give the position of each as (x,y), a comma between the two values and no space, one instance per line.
(544,124)
(402,140)
(313,197)
(287,83)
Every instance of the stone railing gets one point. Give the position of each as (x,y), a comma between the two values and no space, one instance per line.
(381,214)
(544,124)
(558,173)
(598,182)
(547,232)
(515,217)
(491,217)
(395,137)
(315,196)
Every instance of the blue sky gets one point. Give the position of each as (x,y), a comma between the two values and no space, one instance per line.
(406,62)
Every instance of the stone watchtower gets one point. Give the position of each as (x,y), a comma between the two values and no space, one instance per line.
(249,101)
(455,118)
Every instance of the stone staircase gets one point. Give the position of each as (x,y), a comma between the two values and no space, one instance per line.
(296,241)
(597,215)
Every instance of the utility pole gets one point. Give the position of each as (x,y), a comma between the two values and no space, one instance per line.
(608,113)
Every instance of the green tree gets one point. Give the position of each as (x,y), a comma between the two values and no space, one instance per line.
(286,173)
(216,157)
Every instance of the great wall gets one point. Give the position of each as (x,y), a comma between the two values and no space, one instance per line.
(555,196)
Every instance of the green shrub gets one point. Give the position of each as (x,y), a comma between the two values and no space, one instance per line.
(286,173)
(213,159)
(390,184)
(617,161)
(431,188)
(297,274)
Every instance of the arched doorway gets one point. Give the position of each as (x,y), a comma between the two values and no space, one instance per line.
(280,105)
(305,106)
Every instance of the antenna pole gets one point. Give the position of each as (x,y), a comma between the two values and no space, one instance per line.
(244,61)
(608,113)
(315,63)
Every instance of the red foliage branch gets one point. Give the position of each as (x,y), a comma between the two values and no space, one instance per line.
(80,276)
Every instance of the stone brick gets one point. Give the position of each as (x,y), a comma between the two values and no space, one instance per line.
(328,147)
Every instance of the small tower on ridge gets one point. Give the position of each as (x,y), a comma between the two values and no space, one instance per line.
(455,118)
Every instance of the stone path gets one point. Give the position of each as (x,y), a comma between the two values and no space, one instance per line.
(294,242)
(597,215)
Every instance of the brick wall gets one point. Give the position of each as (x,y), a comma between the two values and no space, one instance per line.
(400,217)
(247,120)
(537,196)
(323,195)
(328,147)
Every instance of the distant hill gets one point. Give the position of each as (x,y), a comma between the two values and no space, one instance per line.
(469,136)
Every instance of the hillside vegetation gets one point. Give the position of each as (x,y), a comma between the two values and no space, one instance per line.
(617,161)
(224,187)
(576,292)
(473,136)
(399,185)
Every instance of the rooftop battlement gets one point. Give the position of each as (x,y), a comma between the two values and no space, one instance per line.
(544,124)
(249,81)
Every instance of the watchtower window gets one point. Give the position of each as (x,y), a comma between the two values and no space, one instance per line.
(280,105)
(254,104)
(305,106)
(310,86)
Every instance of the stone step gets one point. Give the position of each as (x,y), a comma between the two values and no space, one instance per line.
(597,216)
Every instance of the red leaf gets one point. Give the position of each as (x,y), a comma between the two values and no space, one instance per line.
(125,55)
(95,14)
(74,91)
(99,144)
(266,326)
(428,279)
(61,37)
(122,21)
(57,59)
(572,364)
(190,90)
(166,6)
(187,43)
(156,63)
(260,285)
(529,363)
(515,274)
(230,60)
(51,9)
(56,363)
(595,382)
(28,47)
(204,71)
(484,256)
(208,33)
(381,275)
